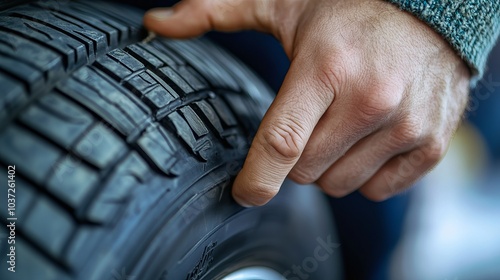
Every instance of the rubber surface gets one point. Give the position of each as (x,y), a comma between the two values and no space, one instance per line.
(112,138)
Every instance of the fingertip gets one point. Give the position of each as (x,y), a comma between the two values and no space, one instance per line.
(241,201)
(247,194)
(154,20)
(159,14)
(180,21)
(239,196)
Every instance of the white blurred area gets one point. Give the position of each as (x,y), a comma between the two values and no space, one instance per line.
(452,228)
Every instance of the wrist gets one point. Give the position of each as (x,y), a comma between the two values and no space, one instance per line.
(470,27)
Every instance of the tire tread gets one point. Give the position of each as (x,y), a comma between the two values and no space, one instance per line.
(100,117)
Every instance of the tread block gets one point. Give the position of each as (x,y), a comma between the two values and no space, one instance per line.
(78,18)
(229,135)
(210,114)
(23,72)
(22,49)
(113,68)
(146,57)
(124,111)
(159,97)
(94,41)
(198,147)
(245,108)
(57,118)
(123,29)
(139,84)
(183,130)
(209,68)
(100,146)
(136,167)
(223,111)
(126,60)
(161,147)
(74,52)
(25,195)
(30,264)
(32,155)
(12,95)
(47,221)
(194,121)
(104,108)
(133,16)
(158,49)
(102,212)
(72,181)
(82,244)
(131,173)
(176,79)
(146,82)
(192,77)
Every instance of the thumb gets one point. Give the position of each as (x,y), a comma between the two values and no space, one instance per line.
(194,17)
(282,136)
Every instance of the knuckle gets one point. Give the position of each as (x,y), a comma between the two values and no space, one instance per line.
(407,133)
(286,140)
(331,73)
(265,13)
(377,101)
(302,176)
(434,150)
(333,189)
(378,104)
(310,165)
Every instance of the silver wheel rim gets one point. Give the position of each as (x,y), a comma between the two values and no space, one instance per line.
(255,273)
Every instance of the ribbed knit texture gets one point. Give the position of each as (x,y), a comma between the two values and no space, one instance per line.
(470,26)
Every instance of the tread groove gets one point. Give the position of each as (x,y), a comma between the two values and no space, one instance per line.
(61,30)
(38,30)
(95,10)
(104,177)
(108,36)
(95,115)
(38,42)
(63,19)
(160,74)
(105,77)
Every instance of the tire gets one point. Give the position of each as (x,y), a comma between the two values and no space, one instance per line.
(120,156)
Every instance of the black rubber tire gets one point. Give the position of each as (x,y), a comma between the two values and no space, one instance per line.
(124,153)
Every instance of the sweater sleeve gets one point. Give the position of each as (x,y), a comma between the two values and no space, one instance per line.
(470,26)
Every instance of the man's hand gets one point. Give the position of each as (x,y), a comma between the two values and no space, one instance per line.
(371,100)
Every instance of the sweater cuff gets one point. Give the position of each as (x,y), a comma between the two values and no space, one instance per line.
(470,26)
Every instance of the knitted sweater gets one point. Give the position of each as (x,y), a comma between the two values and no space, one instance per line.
(470,26)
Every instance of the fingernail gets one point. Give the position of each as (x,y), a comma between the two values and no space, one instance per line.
(161,14)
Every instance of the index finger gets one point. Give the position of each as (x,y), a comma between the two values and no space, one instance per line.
(281,137)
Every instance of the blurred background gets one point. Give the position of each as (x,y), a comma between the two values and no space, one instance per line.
(452,226)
